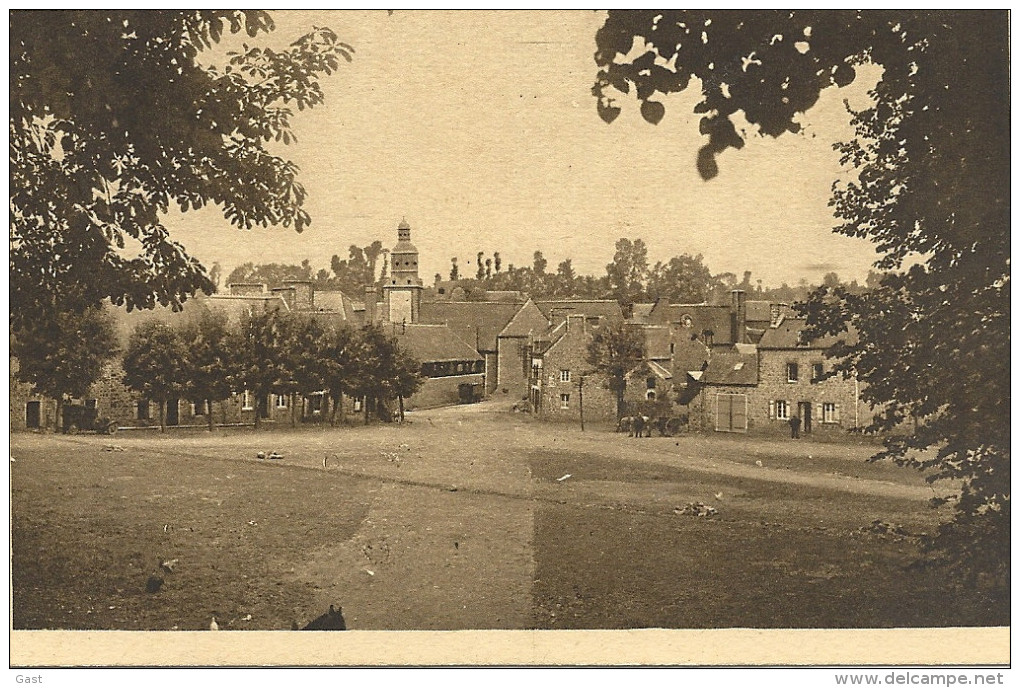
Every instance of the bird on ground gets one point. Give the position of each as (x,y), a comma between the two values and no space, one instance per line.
(213,626)
(153,584)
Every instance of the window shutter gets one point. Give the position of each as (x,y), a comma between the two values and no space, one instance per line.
(820,412)
(772,409)
(835,414)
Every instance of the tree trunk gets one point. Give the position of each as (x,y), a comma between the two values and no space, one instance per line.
(293,410)
(257,410)
(400,400)
(580,401)
(59,421)
(343,410)
(364,405)
(208,413)
(162,415)
(332,412)
(619,403)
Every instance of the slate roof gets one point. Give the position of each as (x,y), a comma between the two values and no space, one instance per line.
(557,310)
(728,366)
(476,322)
(759,311)
(432,343)
(333,300)
(657,340)
(704,317)
(640,312)
(786,335)
(529,320)
(660,370)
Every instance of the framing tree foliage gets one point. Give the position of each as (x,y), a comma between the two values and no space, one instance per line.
(114,122)
(931,190)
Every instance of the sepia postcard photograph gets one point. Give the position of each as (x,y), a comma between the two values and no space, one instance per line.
(511,338)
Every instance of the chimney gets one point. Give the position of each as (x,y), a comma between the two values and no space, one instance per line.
(371,300)
(302,294)
(738,313)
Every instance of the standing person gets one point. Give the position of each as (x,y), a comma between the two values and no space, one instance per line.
(795,427)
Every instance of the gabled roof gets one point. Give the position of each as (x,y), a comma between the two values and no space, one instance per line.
(556,310)
(728,366)
(476,322)
(529,320)
(432,343)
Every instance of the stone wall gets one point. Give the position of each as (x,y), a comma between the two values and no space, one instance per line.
(441,391)
(511,366)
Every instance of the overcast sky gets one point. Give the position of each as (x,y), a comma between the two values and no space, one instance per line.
(480,129)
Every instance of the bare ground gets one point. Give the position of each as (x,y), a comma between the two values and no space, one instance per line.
(462,518)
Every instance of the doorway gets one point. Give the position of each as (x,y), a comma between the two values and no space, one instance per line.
(173,412)
(804,411)
(32,414)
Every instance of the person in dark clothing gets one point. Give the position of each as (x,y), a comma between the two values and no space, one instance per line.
(795,427)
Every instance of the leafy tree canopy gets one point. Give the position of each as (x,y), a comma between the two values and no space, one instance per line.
(114,121)
(63,355)
(931,190)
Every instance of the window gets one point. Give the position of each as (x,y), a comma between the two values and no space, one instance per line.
(650,395)
(830,412)
(817,372)
(565,375)
(92,404)
(142,410)
(672,348)
(791,372)
(564,401)
(357,404)
(281,401)
(650,383)
(246,401)
(198,407)
(782,410)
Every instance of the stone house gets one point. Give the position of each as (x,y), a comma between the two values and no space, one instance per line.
(526,332)
(561,379)
(758,388)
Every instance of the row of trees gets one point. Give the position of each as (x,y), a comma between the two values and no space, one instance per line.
(209,359)
(363,266)
(631,279)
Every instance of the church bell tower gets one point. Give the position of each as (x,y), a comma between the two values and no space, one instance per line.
(402,292)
